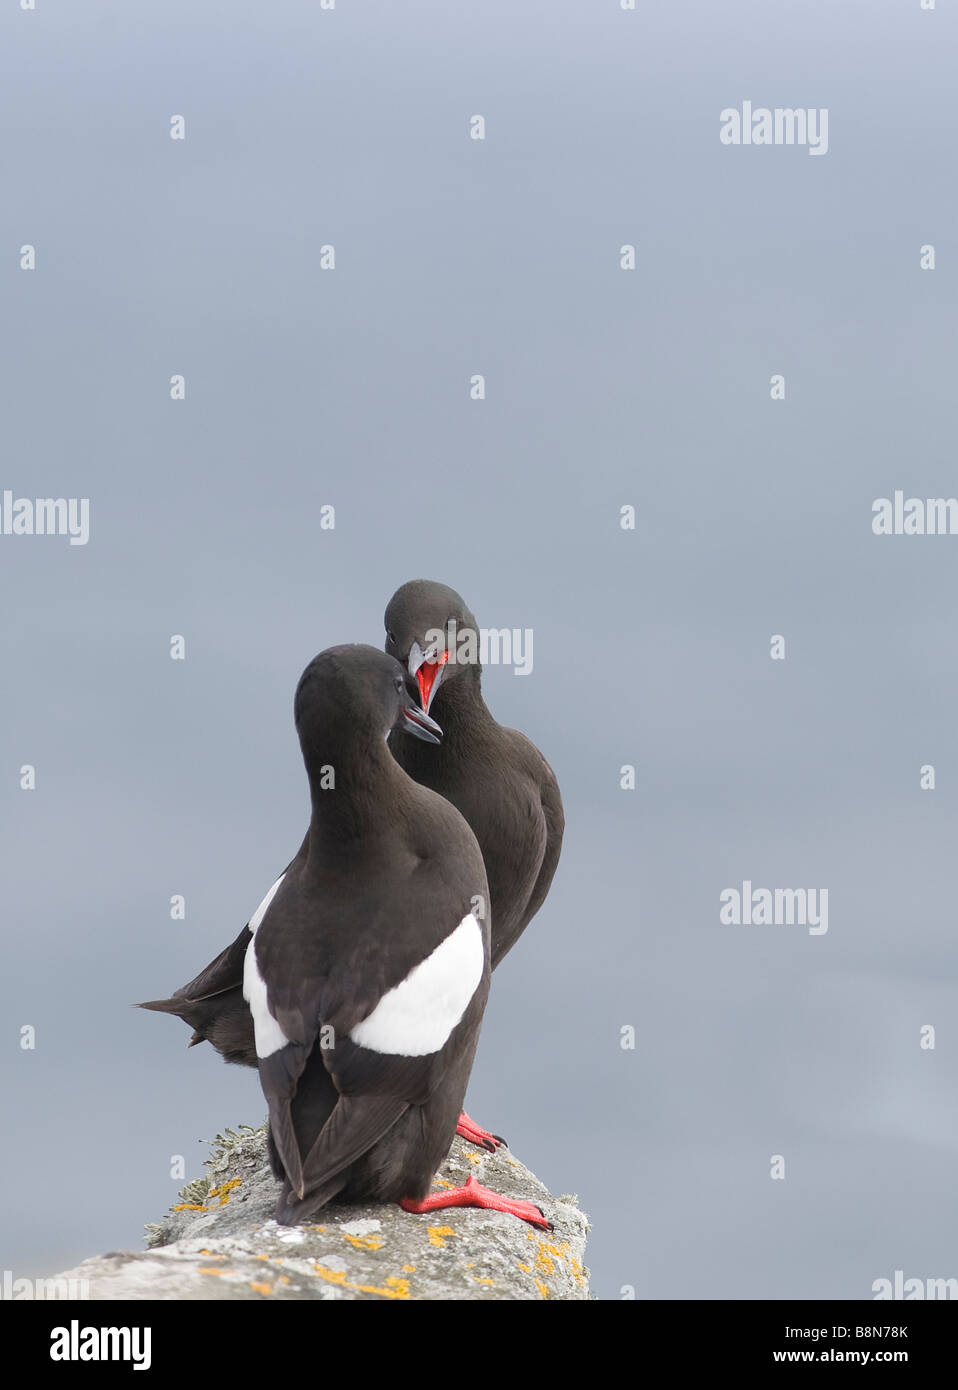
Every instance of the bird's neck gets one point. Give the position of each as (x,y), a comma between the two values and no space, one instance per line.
(460,710)
(353,796)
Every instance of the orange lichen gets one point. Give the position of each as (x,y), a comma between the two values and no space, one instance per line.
(223,1191)
(548,1255)
(395,1288)
(260,1288)
(436,1233)
(363,1242)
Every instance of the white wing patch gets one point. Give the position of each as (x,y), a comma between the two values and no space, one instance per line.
(260,912)
(417,1016)
(269,1036)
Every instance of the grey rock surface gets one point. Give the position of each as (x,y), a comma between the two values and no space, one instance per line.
(220,1241)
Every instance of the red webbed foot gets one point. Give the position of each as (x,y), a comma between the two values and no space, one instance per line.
(475,1195)
(468,1129)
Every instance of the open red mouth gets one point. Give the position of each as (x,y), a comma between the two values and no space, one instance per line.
(426,676)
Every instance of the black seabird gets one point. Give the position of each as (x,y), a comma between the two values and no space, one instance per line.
(493,775)
(367,967)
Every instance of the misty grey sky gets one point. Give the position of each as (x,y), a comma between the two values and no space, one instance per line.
(604,388)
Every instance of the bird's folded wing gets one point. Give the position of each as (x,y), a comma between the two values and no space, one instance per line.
(382,1055)
(223,973)
(356,1124)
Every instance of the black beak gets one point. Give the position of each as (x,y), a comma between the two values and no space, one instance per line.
(417,722)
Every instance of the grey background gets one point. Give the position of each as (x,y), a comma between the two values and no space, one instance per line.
(604,388)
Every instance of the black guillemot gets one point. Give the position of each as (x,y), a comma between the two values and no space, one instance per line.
(366,966)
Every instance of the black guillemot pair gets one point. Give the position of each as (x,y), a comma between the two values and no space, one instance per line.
(358,986)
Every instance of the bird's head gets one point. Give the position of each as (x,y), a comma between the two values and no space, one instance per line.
(432,633)
(355,692)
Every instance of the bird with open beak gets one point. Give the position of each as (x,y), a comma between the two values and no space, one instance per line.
(493,775)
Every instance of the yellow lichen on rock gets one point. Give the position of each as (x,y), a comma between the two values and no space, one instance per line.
(223,1191)
(363,1242)
(395,1288)
(436,1234)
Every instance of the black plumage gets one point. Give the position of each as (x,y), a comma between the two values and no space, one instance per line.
(495,776)
(385,881)
(213,1004)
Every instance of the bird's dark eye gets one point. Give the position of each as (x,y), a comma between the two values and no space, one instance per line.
(390,637)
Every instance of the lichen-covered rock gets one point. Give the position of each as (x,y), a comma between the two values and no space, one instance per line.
(221,1241)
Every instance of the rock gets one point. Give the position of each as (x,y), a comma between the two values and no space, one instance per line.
(221,1241)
